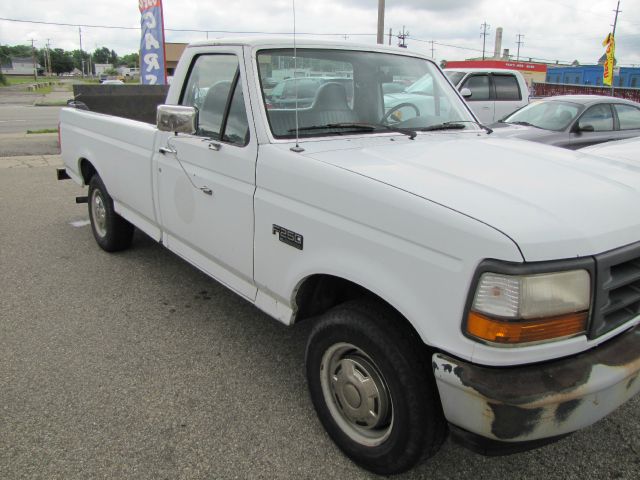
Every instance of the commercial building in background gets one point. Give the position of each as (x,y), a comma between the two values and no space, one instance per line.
(173,53)
(628,77)
(532,72)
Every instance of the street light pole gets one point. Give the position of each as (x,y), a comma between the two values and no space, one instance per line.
(380,22)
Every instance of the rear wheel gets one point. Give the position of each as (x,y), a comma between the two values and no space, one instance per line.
(111,231)
(373,389)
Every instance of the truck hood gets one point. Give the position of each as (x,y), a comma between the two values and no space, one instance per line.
(553,203)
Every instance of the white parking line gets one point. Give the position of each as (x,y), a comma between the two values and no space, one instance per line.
(80,223)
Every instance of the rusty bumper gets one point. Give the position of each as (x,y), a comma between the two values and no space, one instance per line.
(535,402)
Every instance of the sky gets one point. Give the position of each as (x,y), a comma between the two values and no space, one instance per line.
(563,30)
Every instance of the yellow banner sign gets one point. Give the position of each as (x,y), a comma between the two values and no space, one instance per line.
(610,43)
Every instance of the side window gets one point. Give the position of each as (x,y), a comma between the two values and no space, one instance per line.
(208,89)
(479,86)
(236,130)
(599,116)
(628,116)
(506,87)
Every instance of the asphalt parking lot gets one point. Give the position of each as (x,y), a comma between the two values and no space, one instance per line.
(136,365)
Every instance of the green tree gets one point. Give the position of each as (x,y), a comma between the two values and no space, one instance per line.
(78,56)
(61,61)
(18,50)
(101,55)
(113,58)
(130,60)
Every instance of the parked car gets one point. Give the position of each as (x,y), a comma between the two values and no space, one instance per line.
(454,282)
(112,82)
(283,95)
(627,150)
(491,93)
(573,121)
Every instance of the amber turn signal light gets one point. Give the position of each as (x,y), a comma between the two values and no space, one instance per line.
(518,332)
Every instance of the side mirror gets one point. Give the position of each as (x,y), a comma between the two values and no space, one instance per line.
(466,93)
(178,119)
(585,128)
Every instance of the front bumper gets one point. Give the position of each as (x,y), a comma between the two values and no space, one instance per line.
(535,402)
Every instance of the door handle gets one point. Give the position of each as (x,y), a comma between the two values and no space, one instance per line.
(206,190)
(167,150)
(214,146)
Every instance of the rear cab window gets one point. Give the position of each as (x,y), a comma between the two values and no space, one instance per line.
(507,87)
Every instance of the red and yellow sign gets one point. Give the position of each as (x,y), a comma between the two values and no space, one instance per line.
(610,43)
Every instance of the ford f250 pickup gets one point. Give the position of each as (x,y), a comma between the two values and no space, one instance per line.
(457,283)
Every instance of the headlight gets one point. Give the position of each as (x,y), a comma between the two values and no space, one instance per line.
(517,309)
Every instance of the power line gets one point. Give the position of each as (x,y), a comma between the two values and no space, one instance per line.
(194,30)
(336,34)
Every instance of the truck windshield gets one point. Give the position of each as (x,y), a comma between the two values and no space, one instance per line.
(345,92)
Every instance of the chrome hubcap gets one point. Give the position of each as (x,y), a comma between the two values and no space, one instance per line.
(98,213)
(356,394)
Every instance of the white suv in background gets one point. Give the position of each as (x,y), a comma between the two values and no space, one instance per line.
(492,93)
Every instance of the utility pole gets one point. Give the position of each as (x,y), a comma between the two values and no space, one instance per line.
(519,42)
(390,35)
(48,57)
(81,53)
(484,34)
(613,34)
(402,37)
(380,39)
(433,50)
(33,58)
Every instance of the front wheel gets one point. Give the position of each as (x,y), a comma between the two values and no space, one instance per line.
(372,387)
(111,231)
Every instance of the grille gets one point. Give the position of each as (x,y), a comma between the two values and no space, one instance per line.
(617,298)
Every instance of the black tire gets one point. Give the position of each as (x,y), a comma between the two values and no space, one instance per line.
(112,232)
(394,357)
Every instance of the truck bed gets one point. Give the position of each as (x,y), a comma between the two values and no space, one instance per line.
(136,102)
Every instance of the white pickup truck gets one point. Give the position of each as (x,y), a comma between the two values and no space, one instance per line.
(492,93)
(457,283)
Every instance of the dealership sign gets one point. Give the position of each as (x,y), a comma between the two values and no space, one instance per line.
(152,55)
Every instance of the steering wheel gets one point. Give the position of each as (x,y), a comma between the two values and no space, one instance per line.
(385,117)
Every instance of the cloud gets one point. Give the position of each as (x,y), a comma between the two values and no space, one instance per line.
(419,5)
(552,28)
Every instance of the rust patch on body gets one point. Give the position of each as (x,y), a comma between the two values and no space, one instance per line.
(565,409)
(512,422)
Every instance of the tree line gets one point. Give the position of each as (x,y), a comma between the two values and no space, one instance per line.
(64,61)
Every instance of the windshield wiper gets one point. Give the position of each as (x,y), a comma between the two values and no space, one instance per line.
(454,125)
(369,127)
(526,124)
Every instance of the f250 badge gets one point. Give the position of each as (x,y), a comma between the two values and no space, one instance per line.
(288,236)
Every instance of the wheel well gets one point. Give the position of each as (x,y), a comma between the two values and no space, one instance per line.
(87,170)
(319,293)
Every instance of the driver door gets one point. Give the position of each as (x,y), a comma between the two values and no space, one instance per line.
(206,181)
(480,101)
